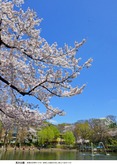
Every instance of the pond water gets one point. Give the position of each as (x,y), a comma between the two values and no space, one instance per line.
(54,155)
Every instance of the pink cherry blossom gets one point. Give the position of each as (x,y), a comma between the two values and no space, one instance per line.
(30,66)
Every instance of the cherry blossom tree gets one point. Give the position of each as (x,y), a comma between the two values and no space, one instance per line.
(30,66)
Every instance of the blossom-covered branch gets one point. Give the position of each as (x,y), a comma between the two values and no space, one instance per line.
(30,66)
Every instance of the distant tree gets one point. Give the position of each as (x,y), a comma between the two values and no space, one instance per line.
(69,138)
(47,135)
(113,121)
(112,118)
(10,137)
(7,127)
(55,131)
(99,131)
(21,136)
(30,66)
(82,130)
(113,125)
(31,138)
(42,137)
(61,127)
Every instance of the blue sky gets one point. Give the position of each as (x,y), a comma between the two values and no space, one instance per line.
(66,21)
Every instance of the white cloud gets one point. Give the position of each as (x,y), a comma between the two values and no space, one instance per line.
(53,121)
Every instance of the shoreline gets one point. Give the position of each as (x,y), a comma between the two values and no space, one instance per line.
(36,149)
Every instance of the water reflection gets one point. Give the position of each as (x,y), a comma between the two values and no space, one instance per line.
(54,155)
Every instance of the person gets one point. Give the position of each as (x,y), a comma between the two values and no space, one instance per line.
(23,148)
